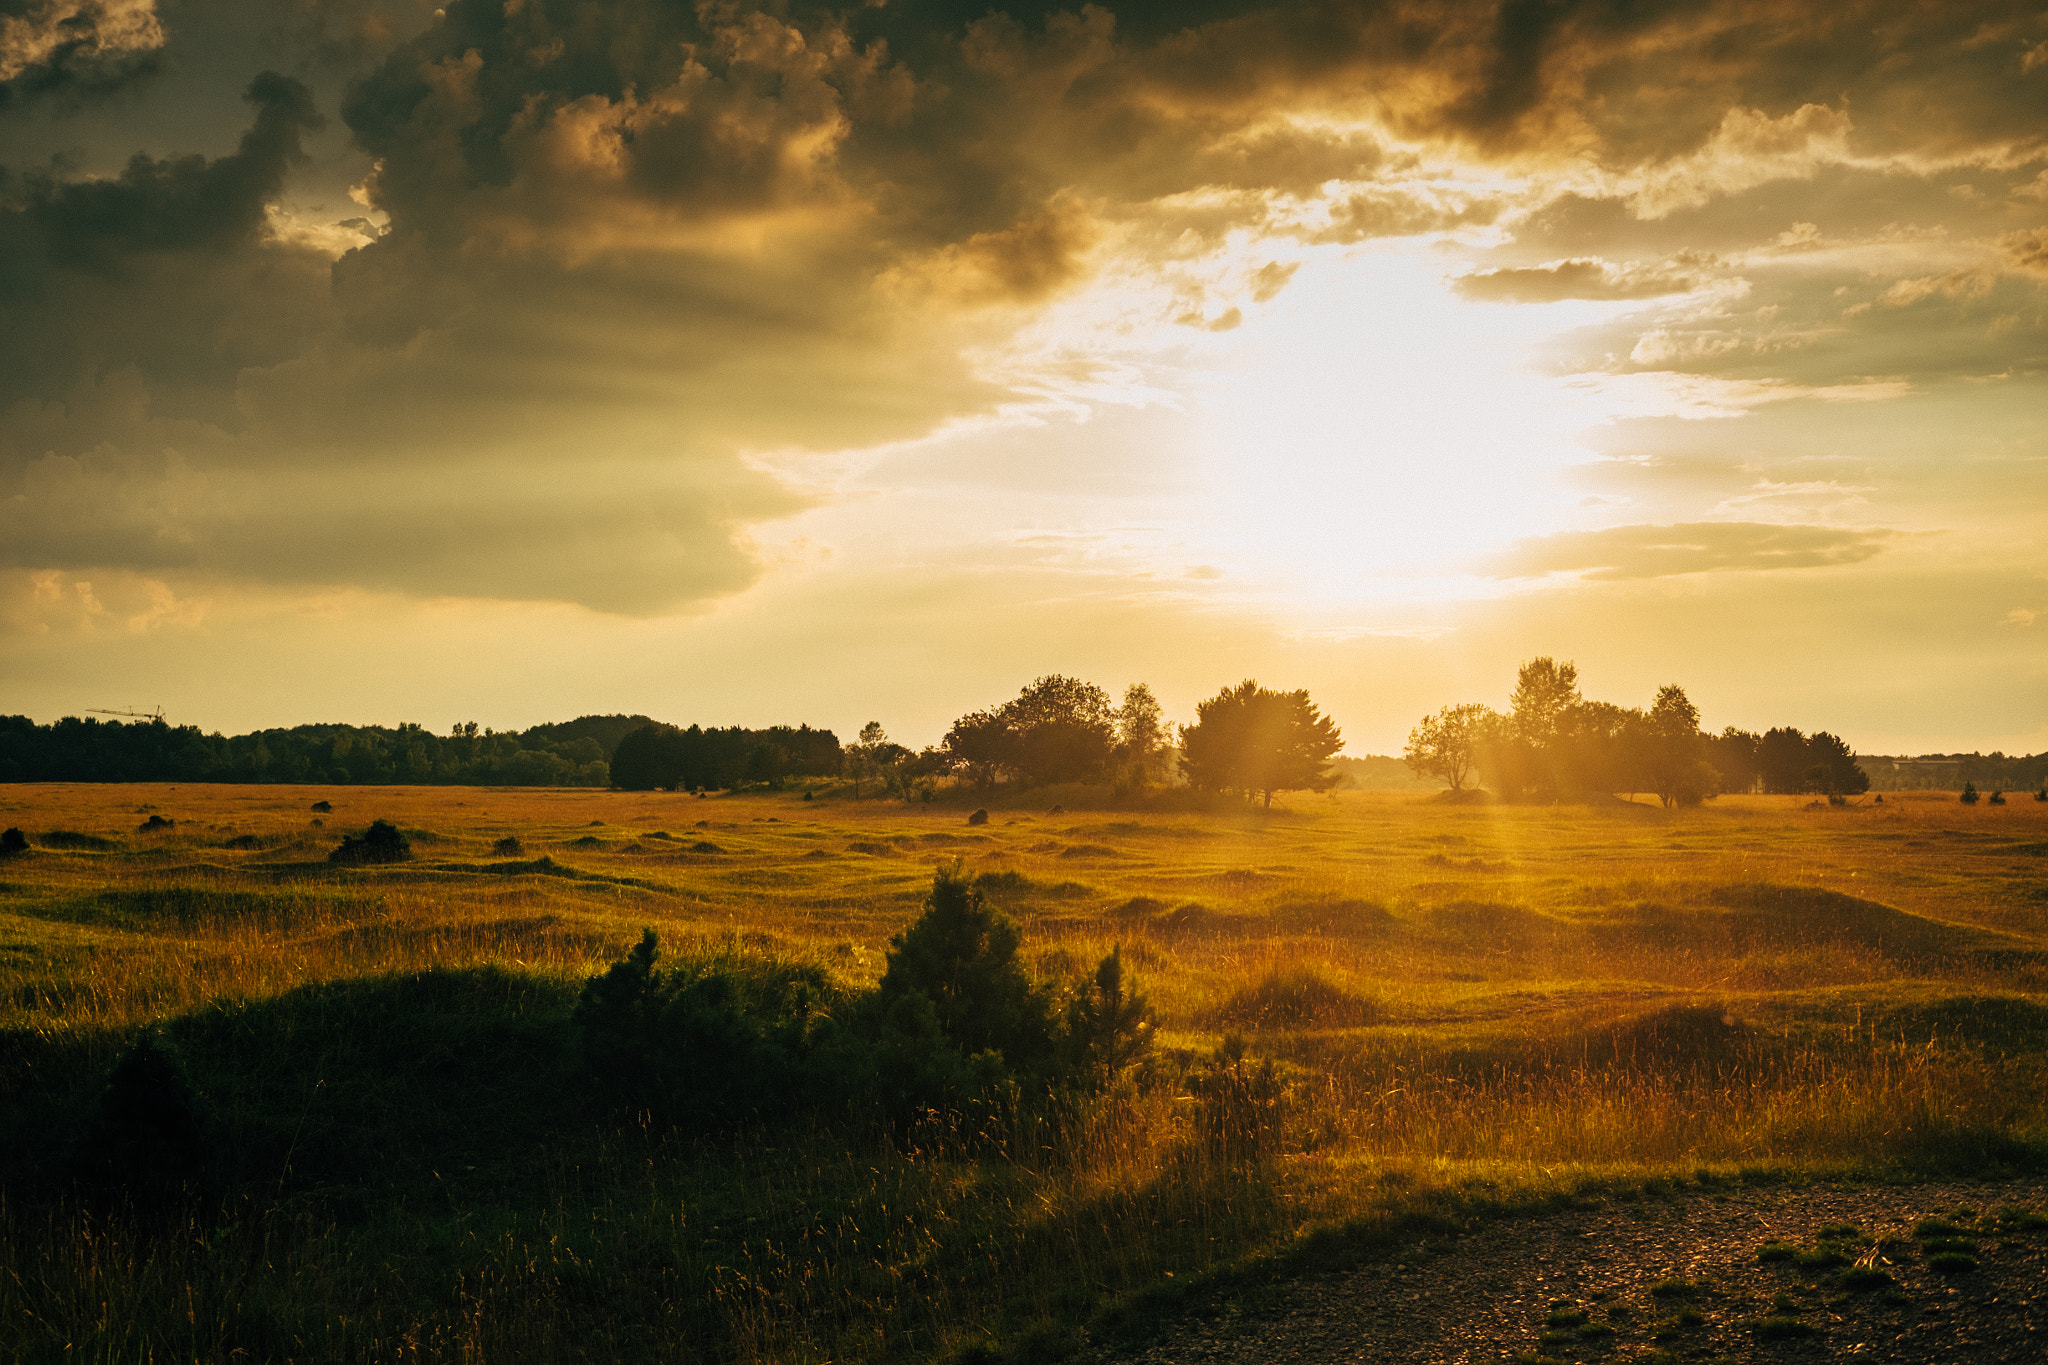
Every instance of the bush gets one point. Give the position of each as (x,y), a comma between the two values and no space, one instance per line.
(13,841)
(508,847)
(961,955)
(705,1043)
(1108,1026)
(150,1131)
(1969,796)
(1997,798)
(956,1027)
(380,843)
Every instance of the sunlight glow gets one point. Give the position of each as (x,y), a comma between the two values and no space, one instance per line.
(1371,425)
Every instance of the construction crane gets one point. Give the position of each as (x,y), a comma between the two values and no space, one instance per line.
(156,715)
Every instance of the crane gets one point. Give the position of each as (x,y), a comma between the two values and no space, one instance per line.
(156,715)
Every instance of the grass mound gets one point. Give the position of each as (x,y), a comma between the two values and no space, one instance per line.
(76,841)
(1294,998)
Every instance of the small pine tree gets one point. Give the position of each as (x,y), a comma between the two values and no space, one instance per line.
(1969,796)
(1998,798)
(961,954)
(1108,1025)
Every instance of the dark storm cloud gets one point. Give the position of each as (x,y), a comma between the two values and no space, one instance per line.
(1624,552)
(162,268)
(75,48)
(621,244)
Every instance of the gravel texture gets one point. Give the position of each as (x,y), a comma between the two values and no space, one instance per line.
(1592,1285)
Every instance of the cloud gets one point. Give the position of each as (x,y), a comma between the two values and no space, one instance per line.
(625,249)
(55,45)
(2027,249)
(1582,277)
(1630,552)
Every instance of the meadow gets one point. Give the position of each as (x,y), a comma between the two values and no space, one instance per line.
(1429,1013)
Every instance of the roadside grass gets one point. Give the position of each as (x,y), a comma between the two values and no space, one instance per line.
(1472,1012)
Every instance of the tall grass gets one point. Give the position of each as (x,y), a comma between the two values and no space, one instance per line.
(1456,1003)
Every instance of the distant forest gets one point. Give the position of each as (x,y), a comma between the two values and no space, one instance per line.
(583,753)
(574,753)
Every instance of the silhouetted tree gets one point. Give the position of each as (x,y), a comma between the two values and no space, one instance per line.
(1673,755)
(1446,745)
(1834,769)
(1252,740)
(1782,762)
(866,755)
(981,745)
(1143,747)
(1733,753)
(1058,729)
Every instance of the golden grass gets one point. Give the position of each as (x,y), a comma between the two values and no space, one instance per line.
(1518,996)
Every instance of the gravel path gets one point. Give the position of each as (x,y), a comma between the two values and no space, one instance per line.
(1578,1287)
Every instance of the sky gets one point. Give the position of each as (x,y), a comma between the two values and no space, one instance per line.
(757,363)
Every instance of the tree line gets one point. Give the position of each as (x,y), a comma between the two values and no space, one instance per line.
(568,754)
(668,757)
(1553,742)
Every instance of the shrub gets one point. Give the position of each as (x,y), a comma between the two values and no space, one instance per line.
(1997,798)
(1969,796)
(13,841)
(1108,1026)
(380,843)
(961,954)
(149,1133)
(510,847)
(705,1043)
(979,817)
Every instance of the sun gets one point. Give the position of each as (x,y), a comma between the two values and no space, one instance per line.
(1372,428)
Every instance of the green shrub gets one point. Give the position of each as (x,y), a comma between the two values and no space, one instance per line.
(961,955)
(705,1043)
(1108,1026)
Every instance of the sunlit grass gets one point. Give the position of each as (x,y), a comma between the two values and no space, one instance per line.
(1466,1006)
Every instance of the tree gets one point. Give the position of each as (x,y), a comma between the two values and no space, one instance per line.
(1065,729)
(1446,745)
(864,756)
(1142,745)
(961,955)
(1540,711)
(1733,753)
(1835,771)
(1059,729)
(980,744)
(1781,759)
(1673,753)
(1252,740)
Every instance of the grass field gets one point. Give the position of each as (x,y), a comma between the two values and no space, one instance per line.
(1469,1008)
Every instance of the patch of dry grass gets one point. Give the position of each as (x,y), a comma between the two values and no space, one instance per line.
(1450,995)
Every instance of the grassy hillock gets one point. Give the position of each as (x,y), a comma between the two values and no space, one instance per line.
(257,1104)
